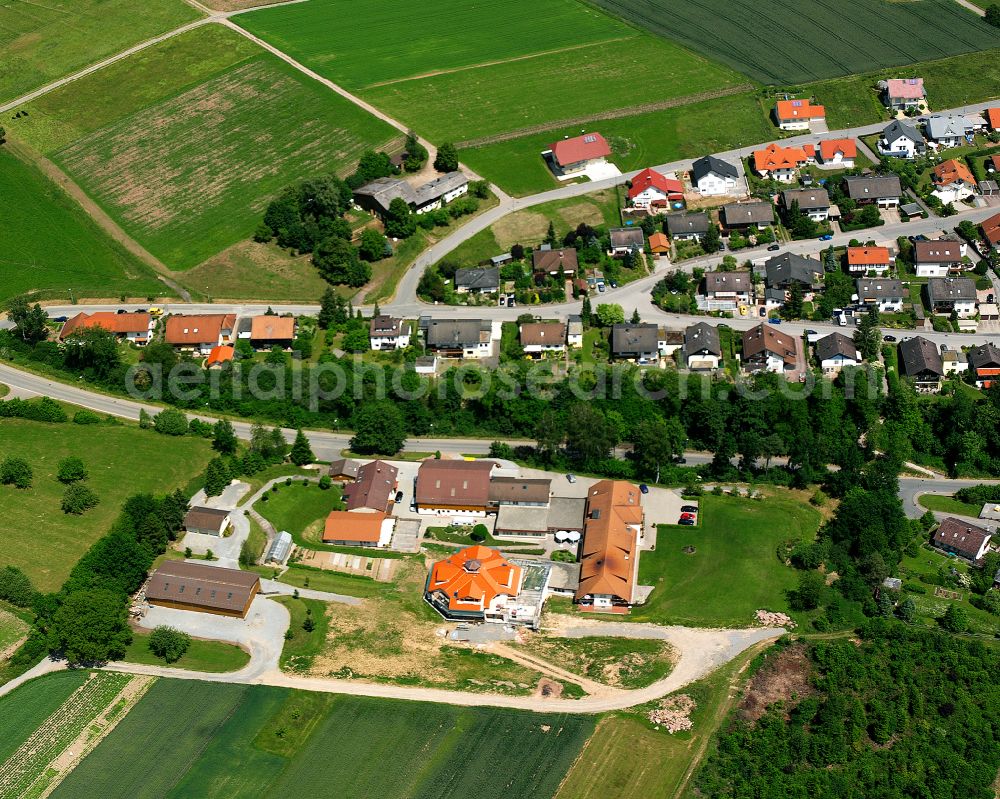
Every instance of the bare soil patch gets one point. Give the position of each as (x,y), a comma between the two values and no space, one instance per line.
(783,678)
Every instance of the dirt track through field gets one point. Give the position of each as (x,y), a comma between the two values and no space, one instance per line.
(616,113)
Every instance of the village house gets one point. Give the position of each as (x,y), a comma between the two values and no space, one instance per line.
(798,114)
(901,139)
(963,539)
(459,489)
(541,338)
(639,343)
(687,227)
(572,156)
(609,552)
(344,470)
(554,261)
(712,176)
(477,280)
(702,350)
(948,130)
(654,192)
(199,333)
(388,333)
(782,163)
(837,153)
(836,351)
(903,94)
(881,190)
(625,240)
(185,585)
(862,260)
(574,331)
(135,328)
(814,203)
(920,361)
(345,529)
(953,181)
(991,231)
(659,244)
(377,196)
(373,489)
(781,271)
(984,361)
(956,295)
(562,517)
(475,584)
(937,258)
(206,521)
(747,216)
(219,356)
(272,331)
(993,118)
(881,293)
(766,349)
(953,361)
(520,492)
(726,291)
(460,338)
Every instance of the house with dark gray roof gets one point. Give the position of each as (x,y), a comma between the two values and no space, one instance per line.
(712,176)
(477,280)
(702,350)
(625,239)
(900,139)
(781,271)
(740,216)
(639,343)
(459,338)
(836,351)
(814,203)
(376,196)
(952,295)
(882,190)
(882,293)
(687,227)
(920,361)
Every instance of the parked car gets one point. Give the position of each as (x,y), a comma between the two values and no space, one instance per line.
(686,522)
(689,508)
(571,478)
(644,488)
(59,318)
(763,311)
(775,320)
(614,285)
(809,331)
(399,496)
(774,248)
(890,339)
(121,311)
(687,515)
(826,237)
(989,298)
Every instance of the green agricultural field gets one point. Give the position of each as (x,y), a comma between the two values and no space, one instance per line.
(734,570)
(220,741)
(51,247)
(37,536)
(24,709)
(404,40)
(658,137)
(184,144)
(846,37)
(41,42)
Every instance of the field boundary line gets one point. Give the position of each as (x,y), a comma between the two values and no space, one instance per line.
(435,73)
(617,113)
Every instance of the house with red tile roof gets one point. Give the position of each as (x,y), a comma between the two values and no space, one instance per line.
(569,156)
(609,552)
(659,244)
(797,114)
(903,94)
(199,332)
(224,353)
(350,529)
(862,260)
(967,540)
(475,584)
(133,327)
(269,331)
(838,152)
(782,163)
(991,231)
(654,192)
(993,117)
(953,180)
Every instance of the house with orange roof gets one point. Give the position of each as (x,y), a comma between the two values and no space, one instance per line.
(477,584)
(133,327)
(862,260)
(199,332)
(953,181)
(993,118)
(350,529)
(654,192)
(991,231)
(609,552)
(797,114)
(269,331)
(838,153)
(782,163)
(219,355)
(659,244)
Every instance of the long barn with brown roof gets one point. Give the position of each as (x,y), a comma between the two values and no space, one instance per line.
(185,585)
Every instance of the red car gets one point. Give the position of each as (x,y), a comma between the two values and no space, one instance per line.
(687,515)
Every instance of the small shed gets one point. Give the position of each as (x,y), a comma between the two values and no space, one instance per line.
(280,549)
(207,521)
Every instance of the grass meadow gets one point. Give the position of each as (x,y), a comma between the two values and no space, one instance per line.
(847,37)
(219,741)
(51,247)
(734,570)
(201,655)
(121,460)
(41,42)
(24,709)
(185,143)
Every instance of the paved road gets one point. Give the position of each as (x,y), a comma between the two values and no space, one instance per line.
(911,488)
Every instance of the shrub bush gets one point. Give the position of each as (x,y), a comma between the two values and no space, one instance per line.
(169,643)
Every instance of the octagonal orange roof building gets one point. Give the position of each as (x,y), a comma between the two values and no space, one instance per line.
(475,583)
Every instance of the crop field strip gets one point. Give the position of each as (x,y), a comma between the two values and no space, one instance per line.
(43,41)
(26,771)
(845,36)
(206,129)
(23,710)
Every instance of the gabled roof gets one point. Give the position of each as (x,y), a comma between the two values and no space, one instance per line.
(836,344)
(756,213)
(631,339)
(868,256)
(766,339)
(950,289)
(435,189)
(272,328)
(542,333)
(963,537)
(993,117)
(728,281)
(651,179)
(473,577)
(609,548)
(211,587)
(708,164)
(774,157)
(520,489)
(679,224)
(880,288)
(918,355)
(905,88)
(790,110)
(384,190)
(373,486)
(789,267)
(991,229)
(199,518)
(952,171)
(563,258)
(455,333)
(383,326)
(900,128)
(118,323)
(941,251)
(985,356)
(359,528)
(461,483)
(197,328)
(585,147)
(702,337)
(947,126)
(659,242)
(478,277)
(828,148)
(808,199)
(868,187)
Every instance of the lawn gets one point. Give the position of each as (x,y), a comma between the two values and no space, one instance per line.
(850,36)
(12,628)
(201,655)
(185,143)
(334,582)
(52,249)
(222,741)
(949,505)
(40,42)
(734,570)
(37,536)
(294,508)
(657,137)
(302,647)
